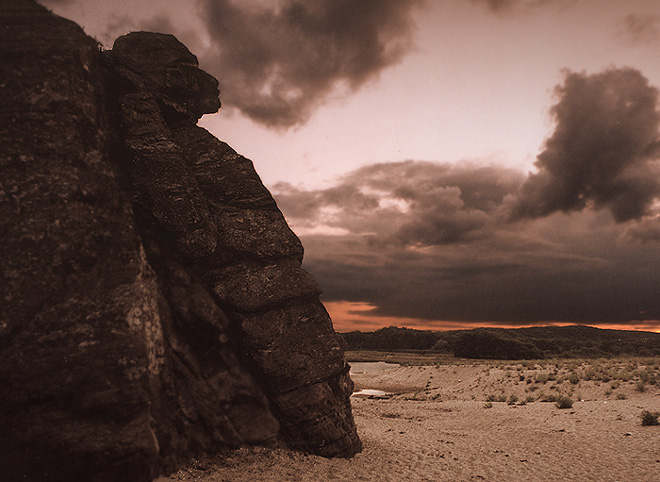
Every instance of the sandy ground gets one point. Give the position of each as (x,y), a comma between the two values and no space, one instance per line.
(438,426)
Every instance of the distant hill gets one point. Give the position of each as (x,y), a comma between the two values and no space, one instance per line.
(512,344)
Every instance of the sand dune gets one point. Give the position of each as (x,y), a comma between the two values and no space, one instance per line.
(437,427)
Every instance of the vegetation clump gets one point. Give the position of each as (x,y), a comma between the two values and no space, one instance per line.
(564,402)
(483,343)
(542,378)
(650,418)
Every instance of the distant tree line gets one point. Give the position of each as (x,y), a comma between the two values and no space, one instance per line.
(512,344)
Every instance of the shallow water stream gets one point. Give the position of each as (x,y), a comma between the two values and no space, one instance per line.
(368,392)
(371,369)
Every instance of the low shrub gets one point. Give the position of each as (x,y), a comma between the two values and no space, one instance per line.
(590,374)
(650,418)
(542,378)
(624,375)
(564,402)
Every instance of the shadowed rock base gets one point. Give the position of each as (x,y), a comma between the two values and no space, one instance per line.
(154,306)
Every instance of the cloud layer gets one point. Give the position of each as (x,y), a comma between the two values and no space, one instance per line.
(277,61)
(447,252)
(408,204)
(578,241)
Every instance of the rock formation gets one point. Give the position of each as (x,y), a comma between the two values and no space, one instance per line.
(154,306)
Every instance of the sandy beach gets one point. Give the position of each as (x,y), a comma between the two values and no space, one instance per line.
(436,423)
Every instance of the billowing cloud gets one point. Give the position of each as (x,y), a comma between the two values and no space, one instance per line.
(641,29)
(604,150)
(405,203)
(278,61)
(429,241)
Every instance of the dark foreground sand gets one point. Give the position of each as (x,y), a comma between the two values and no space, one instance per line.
(440,428)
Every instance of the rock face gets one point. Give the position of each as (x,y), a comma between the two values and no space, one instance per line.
(154,306)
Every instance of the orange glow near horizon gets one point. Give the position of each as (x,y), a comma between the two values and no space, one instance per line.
(358,316)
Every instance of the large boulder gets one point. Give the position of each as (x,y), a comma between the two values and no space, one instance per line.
(203,203)
(154,306)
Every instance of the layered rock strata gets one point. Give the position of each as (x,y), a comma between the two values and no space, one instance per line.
(154,306)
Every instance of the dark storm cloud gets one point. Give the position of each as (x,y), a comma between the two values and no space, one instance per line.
(406,203)
(603,152)
(433,241)
(539,275)
(641,29)
(278,63)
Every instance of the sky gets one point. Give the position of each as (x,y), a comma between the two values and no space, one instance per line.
(446,163)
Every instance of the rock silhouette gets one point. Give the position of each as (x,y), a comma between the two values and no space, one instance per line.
(154,306)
